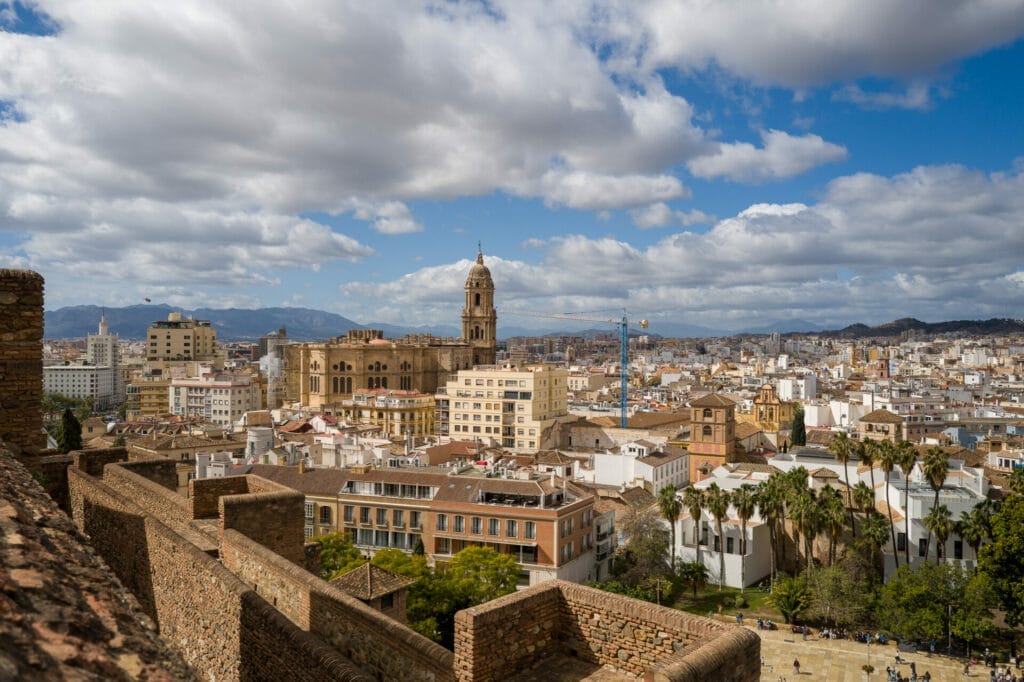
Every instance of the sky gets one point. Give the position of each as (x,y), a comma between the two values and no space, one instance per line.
(725,164)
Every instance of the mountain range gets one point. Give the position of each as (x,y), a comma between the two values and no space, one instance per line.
(305,324)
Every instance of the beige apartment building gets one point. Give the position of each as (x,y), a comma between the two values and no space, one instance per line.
(178,338)
(218,398)
(397,413)
(516,407)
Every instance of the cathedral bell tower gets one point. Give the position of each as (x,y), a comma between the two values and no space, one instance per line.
(479,319)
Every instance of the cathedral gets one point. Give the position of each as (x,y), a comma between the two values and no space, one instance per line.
(321,375)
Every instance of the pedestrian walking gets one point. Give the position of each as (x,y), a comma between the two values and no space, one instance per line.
(796,666)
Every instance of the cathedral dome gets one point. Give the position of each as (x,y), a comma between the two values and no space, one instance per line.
(479,275)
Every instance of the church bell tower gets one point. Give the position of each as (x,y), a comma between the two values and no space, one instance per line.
(479,318)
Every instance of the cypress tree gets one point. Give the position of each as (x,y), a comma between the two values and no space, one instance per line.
(70,435)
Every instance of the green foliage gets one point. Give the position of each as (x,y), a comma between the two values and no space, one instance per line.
(337,555)
(799,430)
(645,553)
(479,574)
(670,507)
(791,596)
(1000,560)
(69,435)
(397,561)
(740,602)
(693,572)
(119,441)
(841,594)
(925,602)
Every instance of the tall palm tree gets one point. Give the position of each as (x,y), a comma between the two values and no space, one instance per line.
(795,483)
(670,507)
(906,457)
(771,504)
(887,462)
(744,502)
(868,451)
(938,521)
(806,517)
(718,506)
(863,497)
(874,532)
(935,468)
(971,529)
(833,517)
(693,500)
(842,447)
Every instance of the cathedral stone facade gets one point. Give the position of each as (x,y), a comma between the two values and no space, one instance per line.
(321,375)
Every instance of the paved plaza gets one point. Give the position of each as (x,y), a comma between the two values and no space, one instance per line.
(841,660)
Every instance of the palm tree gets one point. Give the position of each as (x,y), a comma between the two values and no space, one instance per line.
(906,457)
(718,506)
(874,532)
(868,451)
(771,504)
(935,467)
(938,521)
(693,500)
(842,447)
(863,498)
(887,462)
(970,527)
(744,501)
(670,507)
(833,517)
(805,515)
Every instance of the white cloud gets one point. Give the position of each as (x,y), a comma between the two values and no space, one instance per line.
(917,96)
(937,242)
(781,156)
(661,215)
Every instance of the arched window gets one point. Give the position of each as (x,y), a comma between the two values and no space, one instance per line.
(384,382)
(707,413)
(476,299)
(348,384)
(335,381)
(369,382)
(706,431)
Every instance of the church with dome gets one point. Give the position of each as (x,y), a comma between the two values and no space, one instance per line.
(321,375)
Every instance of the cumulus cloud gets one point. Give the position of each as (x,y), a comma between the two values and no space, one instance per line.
(937,242)
(661,215)
(781,156)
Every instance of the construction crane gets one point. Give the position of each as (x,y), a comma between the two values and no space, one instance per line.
(623,325)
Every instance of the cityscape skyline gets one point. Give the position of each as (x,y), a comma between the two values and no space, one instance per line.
(724,166)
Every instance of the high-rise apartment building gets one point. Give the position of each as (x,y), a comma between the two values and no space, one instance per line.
(516,407)
(103,350)
(178,338)
(220,398)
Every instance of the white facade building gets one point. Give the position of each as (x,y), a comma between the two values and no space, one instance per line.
(218,398)
(81,381)
(103,350)
(644,464)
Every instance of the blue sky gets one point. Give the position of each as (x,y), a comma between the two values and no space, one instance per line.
(728,165)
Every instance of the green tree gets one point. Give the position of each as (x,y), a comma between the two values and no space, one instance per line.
(694,573)
(771,505)
(693,501)
(833,519)
(744,501)
(971,529)
(867,452)
(337,555)
(874,533)
(479,574)
(842,447)
(395,560)
(670,507)
(887,457)
(799,429)
(935,467)
(840,595)
(718,507)
(806,517)
(645,552)
(791,596)
(84,408)
(69,436)
(906,457)
(863,498)
(938,522)
(1000,560)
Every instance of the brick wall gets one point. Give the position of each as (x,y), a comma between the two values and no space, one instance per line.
(221,627)
(50,471)
(275,520)
(93,461)
(21,360)
(376,643)
(632,636)
(204,494)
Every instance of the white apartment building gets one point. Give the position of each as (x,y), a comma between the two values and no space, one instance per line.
(81,380)
(514,406)
(103,350)
(642,463)
(217,398)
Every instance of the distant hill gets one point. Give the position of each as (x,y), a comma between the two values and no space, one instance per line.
(902,325)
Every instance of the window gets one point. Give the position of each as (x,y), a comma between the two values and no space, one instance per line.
(493,527)
(707,413)
(566,552)
(922,547)
(958,549)
(530,530)
(444,546)
(364,515)
(728,546)
(398,518)
(476,525)
(414,519)
(511,528)
(442,522)
(706,431)
(325,515)
(382,517)
(349,513)
(901,541)
(387,601)
(309,510)
(460,524)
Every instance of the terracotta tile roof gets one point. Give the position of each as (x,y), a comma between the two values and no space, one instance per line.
(371,582)
(882,416)
(818,436)
(553,457)
(824,473)
(647,420)
(310,482)
(659,458)
(637,497)
(746,429)
(712,400)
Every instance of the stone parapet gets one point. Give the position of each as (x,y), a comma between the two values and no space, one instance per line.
(21,360)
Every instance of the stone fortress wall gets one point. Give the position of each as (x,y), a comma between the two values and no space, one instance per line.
(222,576)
